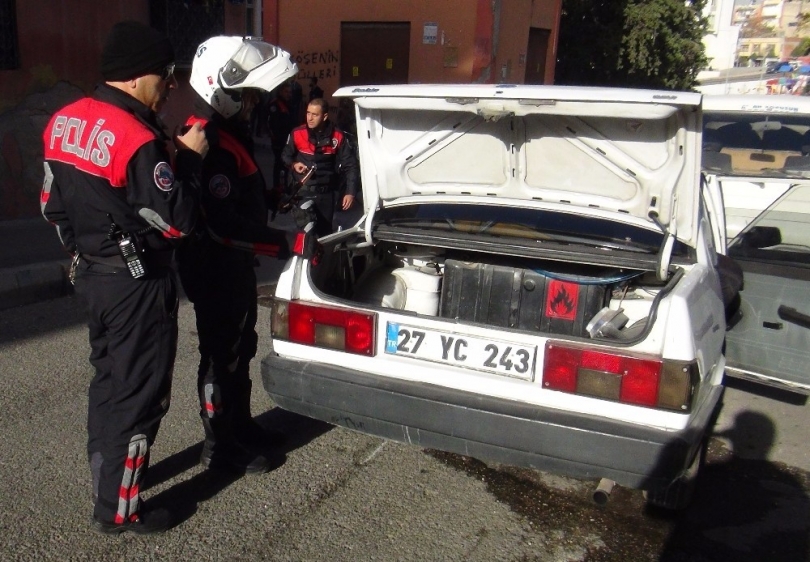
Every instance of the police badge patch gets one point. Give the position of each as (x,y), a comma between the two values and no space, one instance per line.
(164,176)
(220,186)
(334,143)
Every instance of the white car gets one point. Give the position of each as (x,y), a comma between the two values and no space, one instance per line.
(754,148)
(534,281)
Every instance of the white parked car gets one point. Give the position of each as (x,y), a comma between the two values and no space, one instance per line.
(534,282)
(754,148)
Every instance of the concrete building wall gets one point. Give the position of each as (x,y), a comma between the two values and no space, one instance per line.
(721,41)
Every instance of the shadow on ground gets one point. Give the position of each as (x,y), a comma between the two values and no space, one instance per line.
(744,509)
(184,498)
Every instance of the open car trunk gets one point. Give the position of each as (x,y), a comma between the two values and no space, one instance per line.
(532,281)
(564,289)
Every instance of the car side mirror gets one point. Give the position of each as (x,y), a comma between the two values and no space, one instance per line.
(761,237)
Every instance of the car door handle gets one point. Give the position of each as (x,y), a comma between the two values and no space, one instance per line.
(792,315)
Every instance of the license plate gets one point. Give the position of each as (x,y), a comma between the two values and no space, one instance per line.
(492,356)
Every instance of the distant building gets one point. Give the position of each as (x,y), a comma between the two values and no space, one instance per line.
(722,37)
(776,26)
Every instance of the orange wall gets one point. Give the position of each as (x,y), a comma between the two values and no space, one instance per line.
(513,37)
(310,31)
(62,40)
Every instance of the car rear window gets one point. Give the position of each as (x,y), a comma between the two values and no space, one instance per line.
(747,144)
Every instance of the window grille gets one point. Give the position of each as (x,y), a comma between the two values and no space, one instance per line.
(187,23)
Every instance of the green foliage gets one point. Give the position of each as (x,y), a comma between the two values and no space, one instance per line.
(802,48)
(631,43)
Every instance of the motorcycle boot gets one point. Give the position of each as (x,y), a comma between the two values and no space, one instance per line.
(247,429)
(221,450)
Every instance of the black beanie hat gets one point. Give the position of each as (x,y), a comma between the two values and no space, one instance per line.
(134,49)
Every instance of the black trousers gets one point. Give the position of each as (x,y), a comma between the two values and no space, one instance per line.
(225,304)
(133,339)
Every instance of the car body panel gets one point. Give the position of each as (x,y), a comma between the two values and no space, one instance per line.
(634,151)
(771,341)
(580,444)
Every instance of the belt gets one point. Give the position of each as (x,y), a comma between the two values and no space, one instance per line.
(315,189)
(152,259)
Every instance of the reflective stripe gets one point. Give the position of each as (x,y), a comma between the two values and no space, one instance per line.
(213,403)
(46,188)
(129,492)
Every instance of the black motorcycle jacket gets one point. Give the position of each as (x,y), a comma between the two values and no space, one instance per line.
(330,151)
(106,160)
(232,197)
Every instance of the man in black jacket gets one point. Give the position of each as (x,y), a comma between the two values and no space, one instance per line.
(118,205)
(321,145)
(217,267)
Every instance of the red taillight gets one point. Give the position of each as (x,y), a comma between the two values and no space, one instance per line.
(319,326)
(621,377)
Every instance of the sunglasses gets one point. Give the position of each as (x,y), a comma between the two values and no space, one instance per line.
(167,72)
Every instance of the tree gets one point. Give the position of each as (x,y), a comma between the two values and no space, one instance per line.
(631,43)
(802,48)
(755,26)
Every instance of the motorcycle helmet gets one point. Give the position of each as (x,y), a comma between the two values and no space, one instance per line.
(224,65)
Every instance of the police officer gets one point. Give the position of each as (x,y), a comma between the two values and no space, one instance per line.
(118,204)
(217,268)
(320,144)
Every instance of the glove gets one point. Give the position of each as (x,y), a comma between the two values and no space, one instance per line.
(304,214)
(307,245)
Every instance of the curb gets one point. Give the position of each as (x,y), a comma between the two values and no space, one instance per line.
(27,284)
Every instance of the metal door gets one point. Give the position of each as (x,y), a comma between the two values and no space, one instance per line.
(536,53)
(771,341)
(374,52)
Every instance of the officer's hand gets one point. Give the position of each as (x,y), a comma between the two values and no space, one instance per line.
(299,167)
(304,214)
(193,139)
(348,201)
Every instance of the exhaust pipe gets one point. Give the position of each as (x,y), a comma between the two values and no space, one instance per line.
(602,493)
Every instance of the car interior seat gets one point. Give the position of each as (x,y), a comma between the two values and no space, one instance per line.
(739,135)
(783,138)
(715,161)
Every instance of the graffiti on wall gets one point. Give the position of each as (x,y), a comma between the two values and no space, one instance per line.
(317,64)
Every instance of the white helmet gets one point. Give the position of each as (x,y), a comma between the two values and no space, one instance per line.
(224,65)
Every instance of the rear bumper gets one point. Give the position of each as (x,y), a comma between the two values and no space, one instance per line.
(487,428)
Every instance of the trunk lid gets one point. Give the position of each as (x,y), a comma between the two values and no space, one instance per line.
(630,155)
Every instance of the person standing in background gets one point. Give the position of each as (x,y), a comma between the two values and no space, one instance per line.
(296,99)
(323,148)
(280,122)
(315,91)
